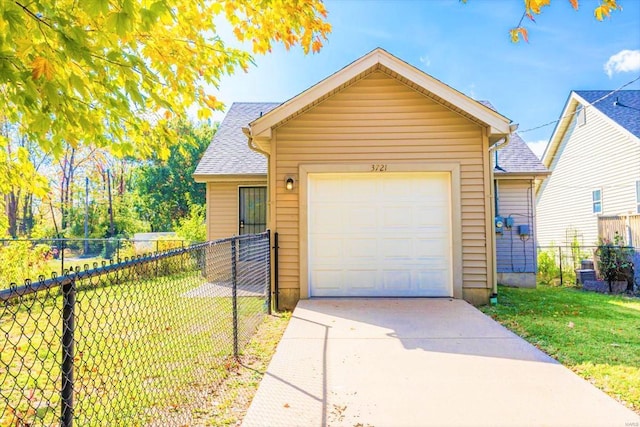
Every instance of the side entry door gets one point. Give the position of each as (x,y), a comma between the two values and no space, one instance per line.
(253,210)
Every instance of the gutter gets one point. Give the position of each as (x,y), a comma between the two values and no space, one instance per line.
(247,133)
(499,145)
(517,175)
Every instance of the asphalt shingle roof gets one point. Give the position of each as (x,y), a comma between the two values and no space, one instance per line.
(516,157)
(228,153)
(622,107)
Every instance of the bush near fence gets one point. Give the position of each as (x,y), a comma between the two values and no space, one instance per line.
(142,342)
(557,265)
(32,258)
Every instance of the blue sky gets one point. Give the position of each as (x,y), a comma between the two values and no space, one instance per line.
(466,46)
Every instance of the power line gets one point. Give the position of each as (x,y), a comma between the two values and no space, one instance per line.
(586,106)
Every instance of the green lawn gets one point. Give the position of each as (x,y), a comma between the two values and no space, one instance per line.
(145,350)
(597,336)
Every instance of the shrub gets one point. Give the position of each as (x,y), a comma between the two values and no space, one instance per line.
(615,261)
(548,270)
(127,250)
(166,243)
(21,260)
(192,228)
(549,266)
(110,248)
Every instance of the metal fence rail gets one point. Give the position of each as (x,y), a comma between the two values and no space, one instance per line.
(143,342)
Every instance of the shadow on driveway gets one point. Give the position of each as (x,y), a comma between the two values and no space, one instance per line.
(418,362)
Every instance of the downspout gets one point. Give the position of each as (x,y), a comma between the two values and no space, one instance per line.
(273,286)
(498,145)
(501,143)
(247,133)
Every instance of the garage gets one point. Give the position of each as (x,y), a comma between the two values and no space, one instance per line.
(380,234)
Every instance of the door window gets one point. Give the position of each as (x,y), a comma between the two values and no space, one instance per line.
(253,210)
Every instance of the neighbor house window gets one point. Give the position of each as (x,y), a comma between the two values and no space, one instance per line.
(638,197)
(596,197)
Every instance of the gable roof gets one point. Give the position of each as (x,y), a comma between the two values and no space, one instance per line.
(229,153)
(381,60)
(623,107)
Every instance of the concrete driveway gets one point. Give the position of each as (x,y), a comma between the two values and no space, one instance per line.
(418,362)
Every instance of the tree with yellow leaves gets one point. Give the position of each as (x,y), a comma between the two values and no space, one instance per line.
(112,73)
(534,7)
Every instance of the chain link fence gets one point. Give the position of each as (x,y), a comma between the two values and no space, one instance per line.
(146,341)
(564,265)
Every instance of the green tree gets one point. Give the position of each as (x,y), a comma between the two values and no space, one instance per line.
(20,180)
(112,73)
(165,188)
(192,227)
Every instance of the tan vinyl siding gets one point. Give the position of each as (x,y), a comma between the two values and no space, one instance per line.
(596,155)
(515,199)
(222,207)
(380,120)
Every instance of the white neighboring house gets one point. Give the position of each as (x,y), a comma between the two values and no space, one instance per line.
(594,157)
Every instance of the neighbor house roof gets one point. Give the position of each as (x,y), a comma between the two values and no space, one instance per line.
(229,153)
(623,107)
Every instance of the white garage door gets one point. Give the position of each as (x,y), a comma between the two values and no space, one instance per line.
(379,234)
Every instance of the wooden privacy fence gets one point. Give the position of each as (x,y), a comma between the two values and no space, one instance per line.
(627,226)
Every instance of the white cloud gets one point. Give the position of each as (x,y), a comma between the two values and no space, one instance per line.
(538,147)
(623,61)
(425,60)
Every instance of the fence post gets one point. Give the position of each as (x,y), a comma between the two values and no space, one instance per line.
(234,296)
(560,251)
(268,272)
(156,256)
(608,268)
(276,284)
(68,327)
(62,245)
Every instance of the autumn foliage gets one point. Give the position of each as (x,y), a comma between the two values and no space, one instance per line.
(113,73)
(534,7)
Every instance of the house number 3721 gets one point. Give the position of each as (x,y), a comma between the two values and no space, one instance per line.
(378,168)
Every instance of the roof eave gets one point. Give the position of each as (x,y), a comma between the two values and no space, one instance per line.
(204,178)
(563,124)
(559,131)
(498,175)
